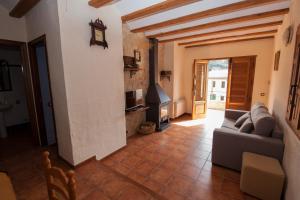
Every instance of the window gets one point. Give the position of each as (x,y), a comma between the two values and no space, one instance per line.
(293,107)
(223,84)
(213,97)
(214,83)
(222,98)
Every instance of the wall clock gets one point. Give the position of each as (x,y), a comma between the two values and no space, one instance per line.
(98,33)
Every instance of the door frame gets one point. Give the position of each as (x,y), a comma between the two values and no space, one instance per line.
(228,83)
(28,85)
(209,59)
(37,90)
(193,88)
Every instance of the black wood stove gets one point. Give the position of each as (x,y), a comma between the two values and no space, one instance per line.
(157,100)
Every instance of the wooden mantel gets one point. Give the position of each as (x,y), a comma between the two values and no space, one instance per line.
(22,7)
(99,3)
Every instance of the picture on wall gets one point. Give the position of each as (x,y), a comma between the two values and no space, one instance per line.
(137,55)
(276,61)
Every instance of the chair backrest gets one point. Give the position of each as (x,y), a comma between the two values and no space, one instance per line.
(61,186)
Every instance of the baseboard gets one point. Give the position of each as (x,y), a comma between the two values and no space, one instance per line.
(87,161)
(91,159)
(184,114)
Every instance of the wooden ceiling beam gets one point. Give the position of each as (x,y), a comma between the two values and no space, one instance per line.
(228,37)
(207,13)
(244,28)
(99,3)
(22,7)
(157,8)
(230,41)
(223,23)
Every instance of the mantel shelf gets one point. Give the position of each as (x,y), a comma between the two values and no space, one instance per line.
(140,108)
(132,70)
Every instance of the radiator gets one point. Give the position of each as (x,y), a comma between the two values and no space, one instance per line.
(179,108)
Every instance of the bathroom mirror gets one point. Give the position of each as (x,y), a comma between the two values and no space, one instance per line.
(5,81)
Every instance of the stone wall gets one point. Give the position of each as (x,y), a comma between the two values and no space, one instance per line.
(140,80)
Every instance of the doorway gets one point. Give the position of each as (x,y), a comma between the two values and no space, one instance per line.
(42,90)
(18,120)
(223,83)
(217,84)
(14,113)
(30,113)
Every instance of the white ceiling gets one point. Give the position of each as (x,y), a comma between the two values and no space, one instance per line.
(128,6)
(218,28)
(179,12)
(231,15)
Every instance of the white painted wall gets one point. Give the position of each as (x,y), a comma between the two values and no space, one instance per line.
(12,28)
(43,19)
(173,60)
(90,79)
(18,114)
(94,80)
(278,99)
(262,48)
(167,64)
(178,72)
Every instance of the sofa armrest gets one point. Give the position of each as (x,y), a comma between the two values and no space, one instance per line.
(234,114)
(229,145)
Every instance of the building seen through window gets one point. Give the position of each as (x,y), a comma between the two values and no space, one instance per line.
(217,84)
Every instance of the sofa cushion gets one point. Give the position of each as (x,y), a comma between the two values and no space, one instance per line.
(242,119)
(263,121)
(229,123)
(247,126)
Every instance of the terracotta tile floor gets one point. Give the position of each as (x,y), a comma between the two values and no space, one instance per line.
(174,164)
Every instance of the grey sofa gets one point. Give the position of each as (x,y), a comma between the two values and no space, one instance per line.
(229,143)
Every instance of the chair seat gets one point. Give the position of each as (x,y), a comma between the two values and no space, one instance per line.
(6,188)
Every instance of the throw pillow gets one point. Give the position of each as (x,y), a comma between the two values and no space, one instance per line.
(247,126)
(263,122)
(242,119)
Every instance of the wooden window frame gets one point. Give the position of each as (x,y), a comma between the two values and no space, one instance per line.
(293,104)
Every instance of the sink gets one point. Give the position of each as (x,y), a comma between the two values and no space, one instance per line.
(3,109)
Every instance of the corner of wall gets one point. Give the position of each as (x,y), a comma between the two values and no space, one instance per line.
(279,89)
(40,20)
(94,80)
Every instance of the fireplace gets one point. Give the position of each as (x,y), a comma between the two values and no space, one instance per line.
(164,116)
(156,99)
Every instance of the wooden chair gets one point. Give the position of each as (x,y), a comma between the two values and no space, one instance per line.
(61,186)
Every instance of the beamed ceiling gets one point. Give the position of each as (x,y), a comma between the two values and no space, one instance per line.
(201,22)
(190,22)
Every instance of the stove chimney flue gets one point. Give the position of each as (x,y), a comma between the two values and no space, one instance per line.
(153,61)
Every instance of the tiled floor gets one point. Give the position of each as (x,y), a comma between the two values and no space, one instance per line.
(174,164)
